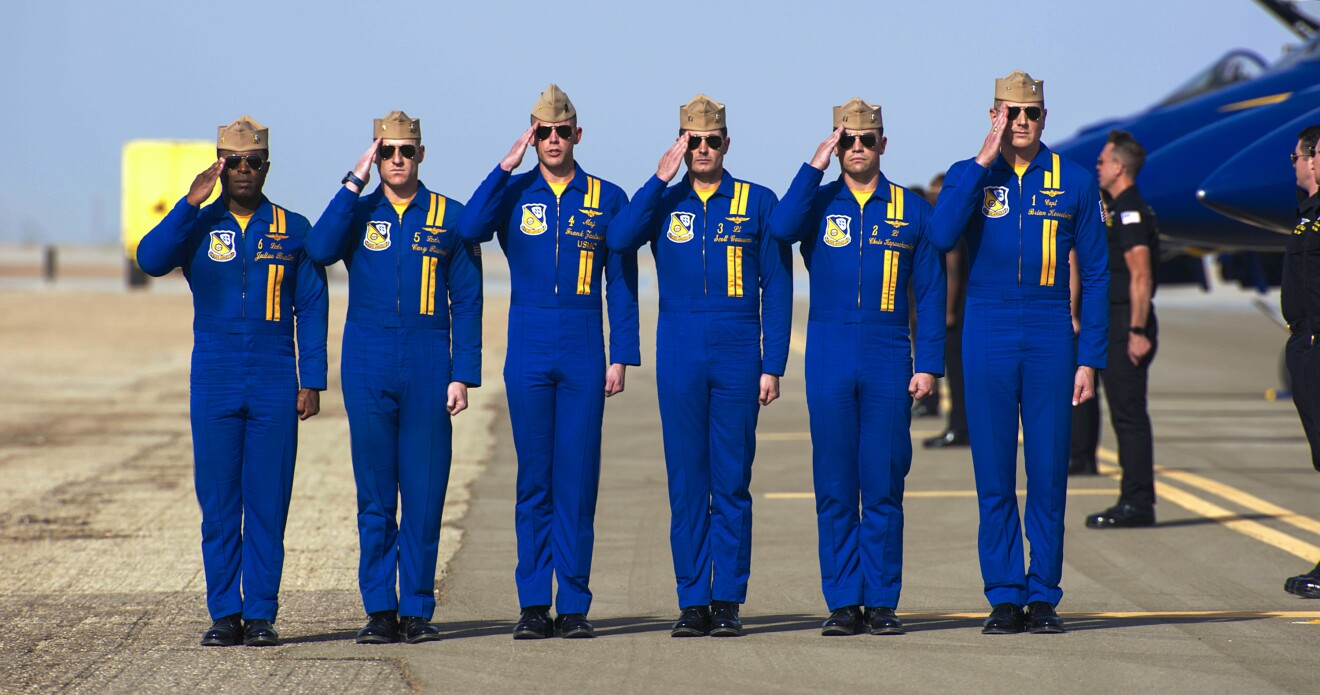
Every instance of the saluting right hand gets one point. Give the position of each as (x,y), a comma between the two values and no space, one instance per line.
(672,157)
(990,148)
(204,183)
(362,169)
(515,155)
(821,160)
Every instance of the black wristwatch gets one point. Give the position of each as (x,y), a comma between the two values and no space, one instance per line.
(1137,330)
(350,176)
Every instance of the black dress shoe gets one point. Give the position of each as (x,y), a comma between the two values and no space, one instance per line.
(382,628)
(1005,619)
(694,622)
(1122,516)
(225,632)
(949,438)
(843,622)
(724,620)
(534,623)
(415,630)
(574,626)
(1304,585)
(260,633)
(1082,466)
(1042,620)
(882,621)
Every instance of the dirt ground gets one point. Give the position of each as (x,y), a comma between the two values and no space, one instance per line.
(101,584)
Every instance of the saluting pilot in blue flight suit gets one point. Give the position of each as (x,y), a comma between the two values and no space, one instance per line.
(724,283)
(863,239)
(551,224)
(1023,208)
(412,347)
(251,278)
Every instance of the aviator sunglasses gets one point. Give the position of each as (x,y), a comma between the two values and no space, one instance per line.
(387,151)
(564,131)
(868,140)
(713,141)
(1294,156)
(1033,112)
(254,161)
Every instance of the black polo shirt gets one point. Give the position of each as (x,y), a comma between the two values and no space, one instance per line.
(1130,223)
(1293,288)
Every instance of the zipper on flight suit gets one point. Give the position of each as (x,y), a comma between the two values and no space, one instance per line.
(1019,206)
(558,223)
(705,290)
(242,239)
(398,269)
(861,223)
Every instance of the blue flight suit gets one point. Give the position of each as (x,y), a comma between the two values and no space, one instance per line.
(414,326)
(248,288)
(1019,352)
(554,372)
(858,366)
(709,363)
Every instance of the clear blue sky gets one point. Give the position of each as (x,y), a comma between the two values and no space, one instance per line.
(82,78)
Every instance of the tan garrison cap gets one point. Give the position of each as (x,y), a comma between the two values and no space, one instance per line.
(553,106)
(1019,87)
(858,115)
(702,113)
(396,125)
(243,135)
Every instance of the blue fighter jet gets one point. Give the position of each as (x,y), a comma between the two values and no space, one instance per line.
(1215,172)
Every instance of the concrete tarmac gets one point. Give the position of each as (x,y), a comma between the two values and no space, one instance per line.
(100,570)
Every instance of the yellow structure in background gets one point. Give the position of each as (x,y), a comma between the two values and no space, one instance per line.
(156,174)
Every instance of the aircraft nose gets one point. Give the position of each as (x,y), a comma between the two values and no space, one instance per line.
(1252,192)
(1258,185)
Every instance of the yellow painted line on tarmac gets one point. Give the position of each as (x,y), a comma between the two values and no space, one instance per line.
(1247,527)
(940,494)
(1313,617)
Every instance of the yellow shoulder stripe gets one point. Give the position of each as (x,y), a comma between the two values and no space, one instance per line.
(1052,177)
(592,199)
(277,219)
(436,216)
(895,211)
(738,206)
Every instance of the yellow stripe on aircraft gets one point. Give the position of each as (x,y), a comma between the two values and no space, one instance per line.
(1258,101)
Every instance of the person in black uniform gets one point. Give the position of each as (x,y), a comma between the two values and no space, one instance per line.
(955,434)
(1134,247)
(1298,299)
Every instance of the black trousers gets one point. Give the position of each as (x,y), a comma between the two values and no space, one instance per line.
(953,377)
(1124,387)
(1303,361)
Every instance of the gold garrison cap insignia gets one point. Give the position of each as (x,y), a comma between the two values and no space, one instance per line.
(702,113)
(553,106)
(396,125)
(243,135)
(1018,86)
(858,115)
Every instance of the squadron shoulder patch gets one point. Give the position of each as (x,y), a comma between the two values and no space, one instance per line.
(533,219)
(680,227)
(377,237)
(221,246)
(995,203)
(837,230)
